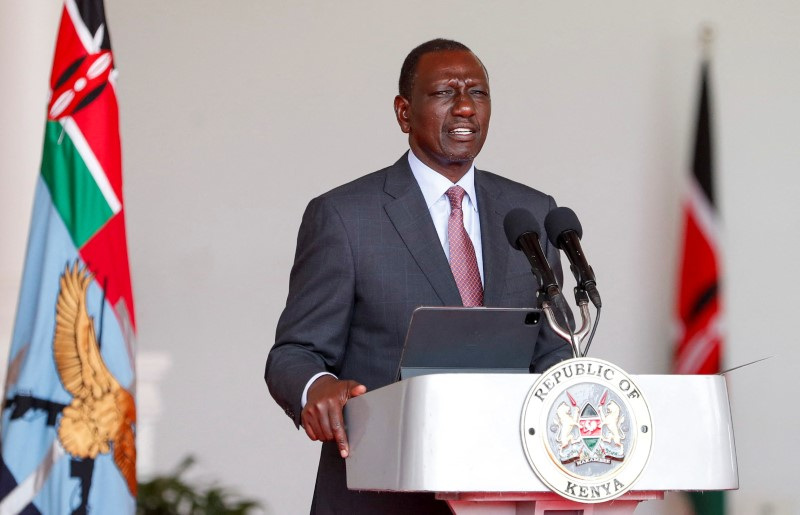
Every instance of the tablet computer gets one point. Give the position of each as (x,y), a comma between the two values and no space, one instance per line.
(457,339)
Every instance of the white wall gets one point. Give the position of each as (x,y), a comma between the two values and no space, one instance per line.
(234,114)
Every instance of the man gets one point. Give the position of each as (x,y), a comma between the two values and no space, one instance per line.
(426,231)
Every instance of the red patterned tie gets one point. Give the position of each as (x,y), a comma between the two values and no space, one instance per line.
(462,253)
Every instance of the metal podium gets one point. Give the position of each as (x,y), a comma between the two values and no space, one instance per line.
(459,435)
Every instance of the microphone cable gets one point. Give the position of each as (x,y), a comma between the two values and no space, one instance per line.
(591,335)
(576,349)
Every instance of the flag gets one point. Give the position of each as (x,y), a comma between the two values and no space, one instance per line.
(68,416)
(699,309)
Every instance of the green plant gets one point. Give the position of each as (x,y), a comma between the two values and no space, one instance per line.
(171,495)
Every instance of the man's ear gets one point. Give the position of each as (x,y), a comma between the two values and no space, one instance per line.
(401,111)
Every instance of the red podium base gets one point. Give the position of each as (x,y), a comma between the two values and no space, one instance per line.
(539,503)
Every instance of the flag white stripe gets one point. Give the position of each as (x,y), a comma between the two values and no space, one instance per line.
(699,347)
(704,213)
(99,175)
(80,28)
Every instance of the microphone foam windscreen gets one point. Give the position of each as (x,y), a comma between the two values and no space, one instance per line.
(517,222)
(559,220)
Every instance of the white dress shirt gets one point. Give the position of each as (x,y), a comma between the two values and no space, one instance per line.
(433,186)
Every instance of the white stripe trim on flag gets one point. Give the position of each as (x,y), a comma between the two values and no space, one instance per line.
(24,493)
(112,79)
(99,175)
(704,213)
(699,347)
(80,28)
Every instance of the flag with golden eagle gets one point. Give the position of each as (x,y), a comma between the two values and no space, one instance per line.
(68,417)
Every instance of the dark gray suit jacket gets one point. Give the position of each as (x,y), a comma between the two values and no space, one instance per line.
(367,256)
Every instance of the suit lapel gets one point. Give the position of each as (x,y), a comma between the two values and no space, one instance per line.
(491,211)
(412,220)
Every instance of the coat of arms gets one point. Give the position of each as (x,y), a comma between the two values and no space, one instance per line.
(589,433)
(586,430)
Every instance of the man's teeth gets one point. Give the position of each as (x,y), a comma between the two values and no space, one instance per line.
(461,131)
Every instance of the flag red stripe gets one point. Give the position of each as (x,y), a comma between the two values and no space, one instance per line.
(698,303)
(68,48)
(106,255)
(99,123)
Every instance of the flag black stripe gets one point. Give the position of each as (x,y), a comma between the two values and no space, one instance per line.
(702,301)
(8,484)
(67,73)
(93,14)
(703,158)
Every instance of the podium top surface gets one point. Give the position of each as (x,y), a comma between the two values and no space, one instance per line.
(461,433)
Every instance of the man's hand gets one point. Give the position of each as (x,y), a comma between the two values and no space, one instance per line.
(322,416)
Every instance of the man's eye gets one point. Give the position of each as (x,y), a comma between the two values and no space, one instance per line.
(480,92)
(443,93)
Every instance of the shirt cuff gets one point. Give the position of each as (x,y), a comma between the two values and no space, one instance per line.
(316,376)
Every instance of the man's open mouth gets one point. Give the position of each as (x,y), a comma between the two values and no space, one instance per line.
(461,131)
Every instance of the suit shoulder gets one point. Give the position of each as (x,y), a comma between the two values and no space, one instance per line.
(363,187)
(512,189)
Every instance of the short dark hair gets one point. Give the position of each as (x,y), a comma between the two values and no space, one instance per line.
(409,69)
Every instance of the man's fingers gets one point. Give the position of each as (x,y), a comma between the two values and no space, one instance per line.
(357,389)
(322,416)
(309,430)
(339,433)
(315,422)
(311,424)
(324,421)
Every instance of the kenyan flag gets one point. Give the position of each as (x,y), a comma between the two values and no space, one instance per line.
(68,418)
(699,346)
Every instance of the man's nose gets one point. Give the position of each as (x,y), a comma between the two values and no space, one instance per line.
(464,105)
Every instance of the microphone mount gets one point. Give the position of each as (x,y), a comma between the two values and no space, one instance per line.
(577,338)
(564,232)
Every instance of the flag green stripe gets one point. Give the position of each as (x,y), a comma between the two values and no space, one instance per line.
(708,503)
(73,189)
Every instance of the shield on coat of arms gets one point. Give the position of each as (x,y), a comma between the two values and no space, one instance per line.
(590,426)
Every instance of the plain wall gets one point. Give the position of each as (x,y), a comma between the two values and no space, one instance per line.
(235,114)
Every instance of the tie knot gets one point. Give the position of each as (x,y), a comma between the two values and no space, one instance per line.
(456,195)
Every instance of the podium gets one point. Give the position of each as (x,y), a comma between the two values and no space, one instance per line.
(458,435)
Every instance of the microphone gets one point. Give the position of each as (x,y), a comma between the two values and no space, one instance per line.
(522,231)
(564,231)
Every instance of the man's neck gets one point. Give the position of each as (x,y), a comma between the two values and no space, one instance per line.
(453,171)
(434,185)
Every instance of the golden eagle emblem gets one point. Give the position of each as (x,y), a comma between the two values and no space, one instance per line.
(102,413)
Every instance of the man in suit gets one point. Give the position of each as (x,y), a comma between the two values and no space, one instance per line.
(371,251)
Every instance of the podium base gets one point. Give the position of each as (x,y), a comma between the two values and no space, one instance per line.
(539,503)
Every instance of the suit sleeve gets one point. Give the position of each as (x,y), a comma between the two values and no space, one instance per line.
(312,331)
(550,348)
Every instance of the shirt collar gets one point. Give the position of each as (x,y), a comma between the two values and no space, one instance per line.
(434,185)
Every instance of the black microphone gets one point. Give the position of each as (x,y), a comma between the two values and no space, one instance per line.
(522,231)
(564,231)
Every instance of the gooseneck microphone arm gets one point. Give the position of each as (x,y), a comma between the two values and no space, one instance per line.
(522,231)
(570,243)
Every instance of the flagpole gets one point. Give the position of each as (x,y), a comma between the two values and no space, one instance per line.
(700,349)
(706,40)
(102,312)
